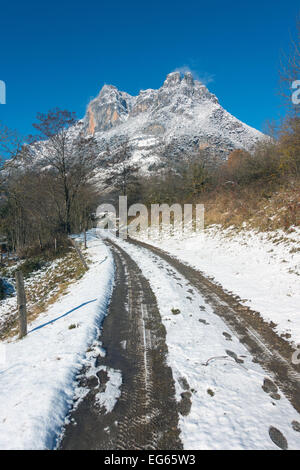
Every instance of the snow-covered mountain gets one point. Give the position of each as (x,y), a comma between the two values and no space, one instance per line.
(177,122)
(173,122)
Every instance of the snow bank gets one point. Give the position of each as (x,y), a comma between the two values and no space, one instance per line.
(263,269)
(37,379)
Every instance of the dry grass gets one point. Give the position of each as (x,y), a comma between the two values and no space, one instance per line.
(45,287)
(256,207)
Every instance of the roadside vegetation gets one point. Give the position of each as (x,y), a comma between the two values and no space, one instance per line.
(261,190)
(45,195)
(45,282)
(46,192)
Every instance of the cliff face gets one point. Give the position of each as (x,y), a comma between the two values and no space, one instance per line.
(110,108)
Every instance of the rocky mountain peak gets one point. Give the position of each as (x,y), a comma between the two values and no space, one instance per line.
(182,117)
(109,108)
(173,78)
(188,78)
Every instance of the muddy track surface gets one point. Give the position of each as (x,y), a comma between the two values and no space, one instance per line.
(145,415)
(272,352)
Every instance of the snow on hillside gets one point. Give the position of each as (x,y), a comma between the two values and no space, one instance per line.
(37,374)
(263,269)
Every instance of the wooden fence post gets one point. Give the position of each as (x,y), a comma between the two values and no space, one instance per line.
(78,251)
(21,297)
(85,244)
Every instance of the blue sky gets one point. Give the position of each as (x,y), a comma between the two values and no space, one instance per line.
(60,53)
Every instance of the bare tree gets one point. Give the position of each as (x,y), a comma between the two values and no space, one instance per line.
(11,143)
(60,145)
(125,172)
(290,71)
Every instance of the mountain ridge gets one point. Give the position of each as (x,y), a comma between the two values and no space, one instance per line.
(182,117)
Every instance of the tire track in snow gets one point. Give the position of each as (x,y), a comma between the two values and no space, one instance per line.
(270,351)
(145,415)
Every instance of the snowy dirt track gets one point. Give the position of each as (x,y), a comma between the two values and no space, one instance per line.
(144,416)
(228,397)
(157,357)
